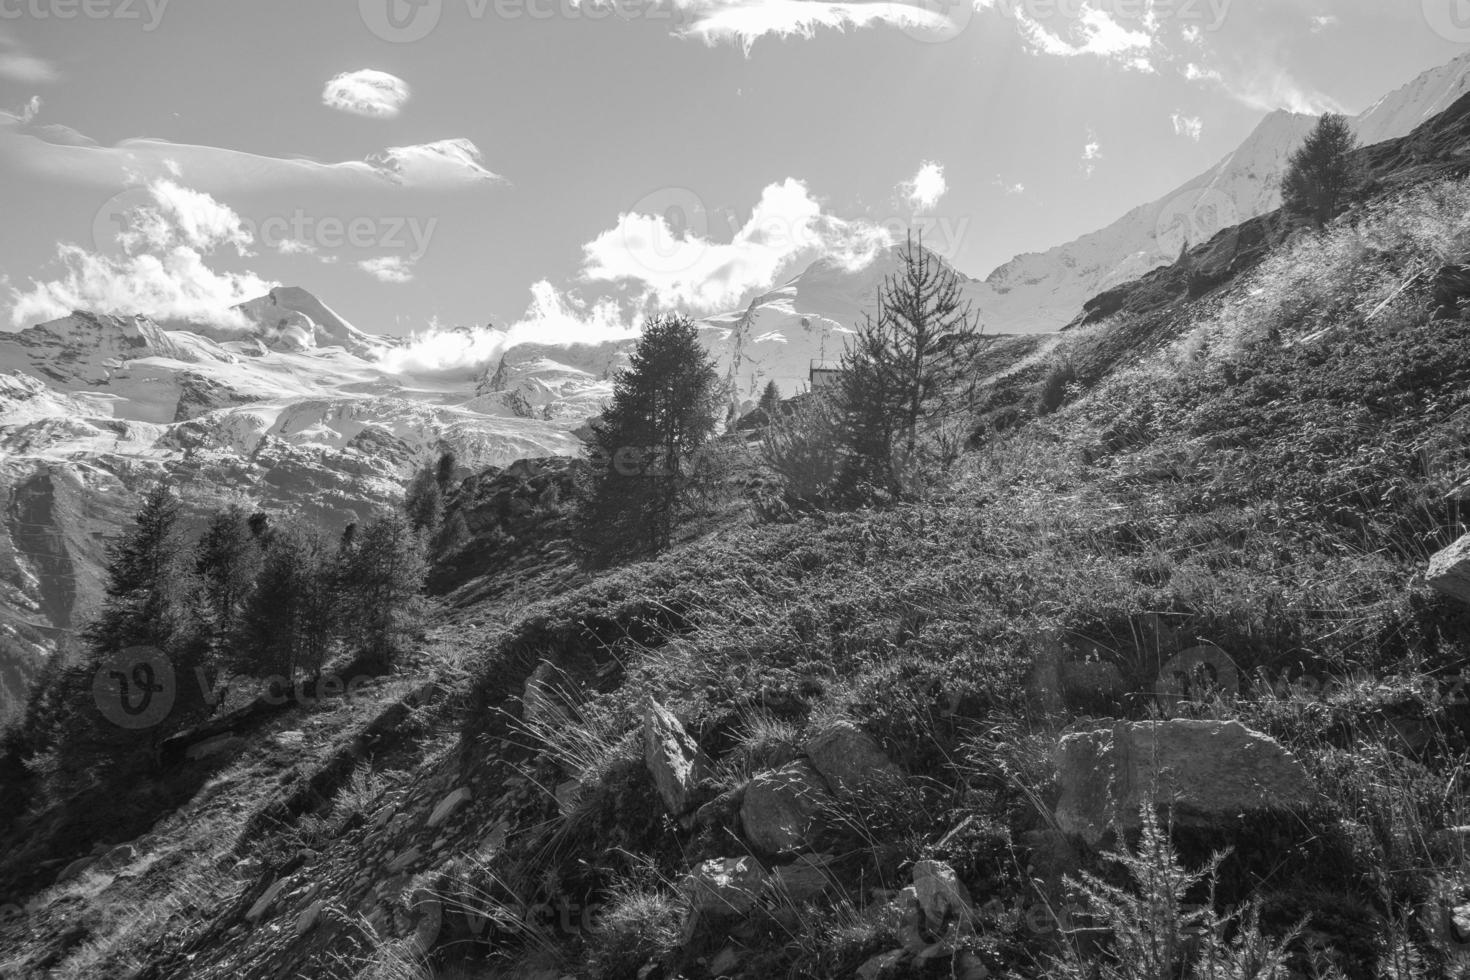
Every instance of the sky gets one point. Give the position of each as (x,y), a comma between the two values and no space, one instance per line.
(568,166)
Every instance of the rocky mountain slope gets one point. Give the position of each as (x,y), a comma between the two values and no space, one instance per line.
(1044,291)
(877,743)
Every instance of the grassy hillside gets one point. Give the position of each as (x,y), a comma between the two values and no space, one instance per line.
(1261,469)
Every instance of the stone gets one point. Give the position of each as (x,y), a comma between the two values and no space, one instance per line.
(448,805)
(118,857)
(882,966)
(674,760)
(1449,571)
(567,795)
(1206,771)
(942,899)
(803,880)
(848,758)
(307,920)
(726,961)
(721,890)
(263,903)
(404,860)
(74,869)
(1082,679)
(780,810)
(428,914)
(210,747)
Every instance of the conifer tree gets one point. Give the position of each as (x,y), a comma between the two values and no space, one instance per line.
(663,410)
(423,501)
(287,626)
(383,582)
(907,368)
(1322,178)
(226,561)
(770,402)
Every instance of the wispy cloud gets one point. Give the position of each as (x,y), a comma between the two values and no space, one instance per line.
(18,65)
(743,22)
(371,93)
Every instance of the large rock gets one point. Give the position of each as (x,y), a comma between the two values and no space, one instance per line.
(781,809)
(721,890)
(848,758)
(1207,771)
(673,758)
(1449,570)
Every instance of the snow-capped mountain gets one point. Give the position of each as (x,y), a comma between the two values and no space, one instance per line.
(1045,291)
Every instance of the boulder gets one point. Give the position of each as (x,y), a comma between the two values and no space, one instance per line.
(780,810)
(673,758)
(118,857)
(721,890)
(210,747)
(76,867)
(263,903)
(883,966)
(1207,771)
(848,758)
(1449,570)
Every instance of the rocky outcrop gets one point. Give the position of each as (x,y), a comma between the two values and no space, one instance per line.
(721,890)
(1449,570)
(673,758)
(1206,771)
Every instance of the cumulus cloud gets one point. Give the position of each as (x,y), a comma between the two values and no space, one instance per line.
(161,271)
(1190,126)
(551,318)
(690,270)
(371,93)
(926,187)
(388,268)
(1095,33)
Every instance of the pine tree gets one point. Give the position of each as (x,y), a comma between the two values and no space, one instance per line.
(770,403)
(383,583)
(663,410)
(423,502)
(288,624)
(1322,178)
(226,560)
(907,368)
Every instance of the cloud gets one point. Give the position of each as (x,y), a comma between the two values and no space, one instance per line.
(744,21)
(1091,154)
(20,66)
(388,268)
(370,93)
(689,270)
(926,187)
(552,318)
(1096,33)
(161,271)
(60,153)
(447,163)
(1191,126)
